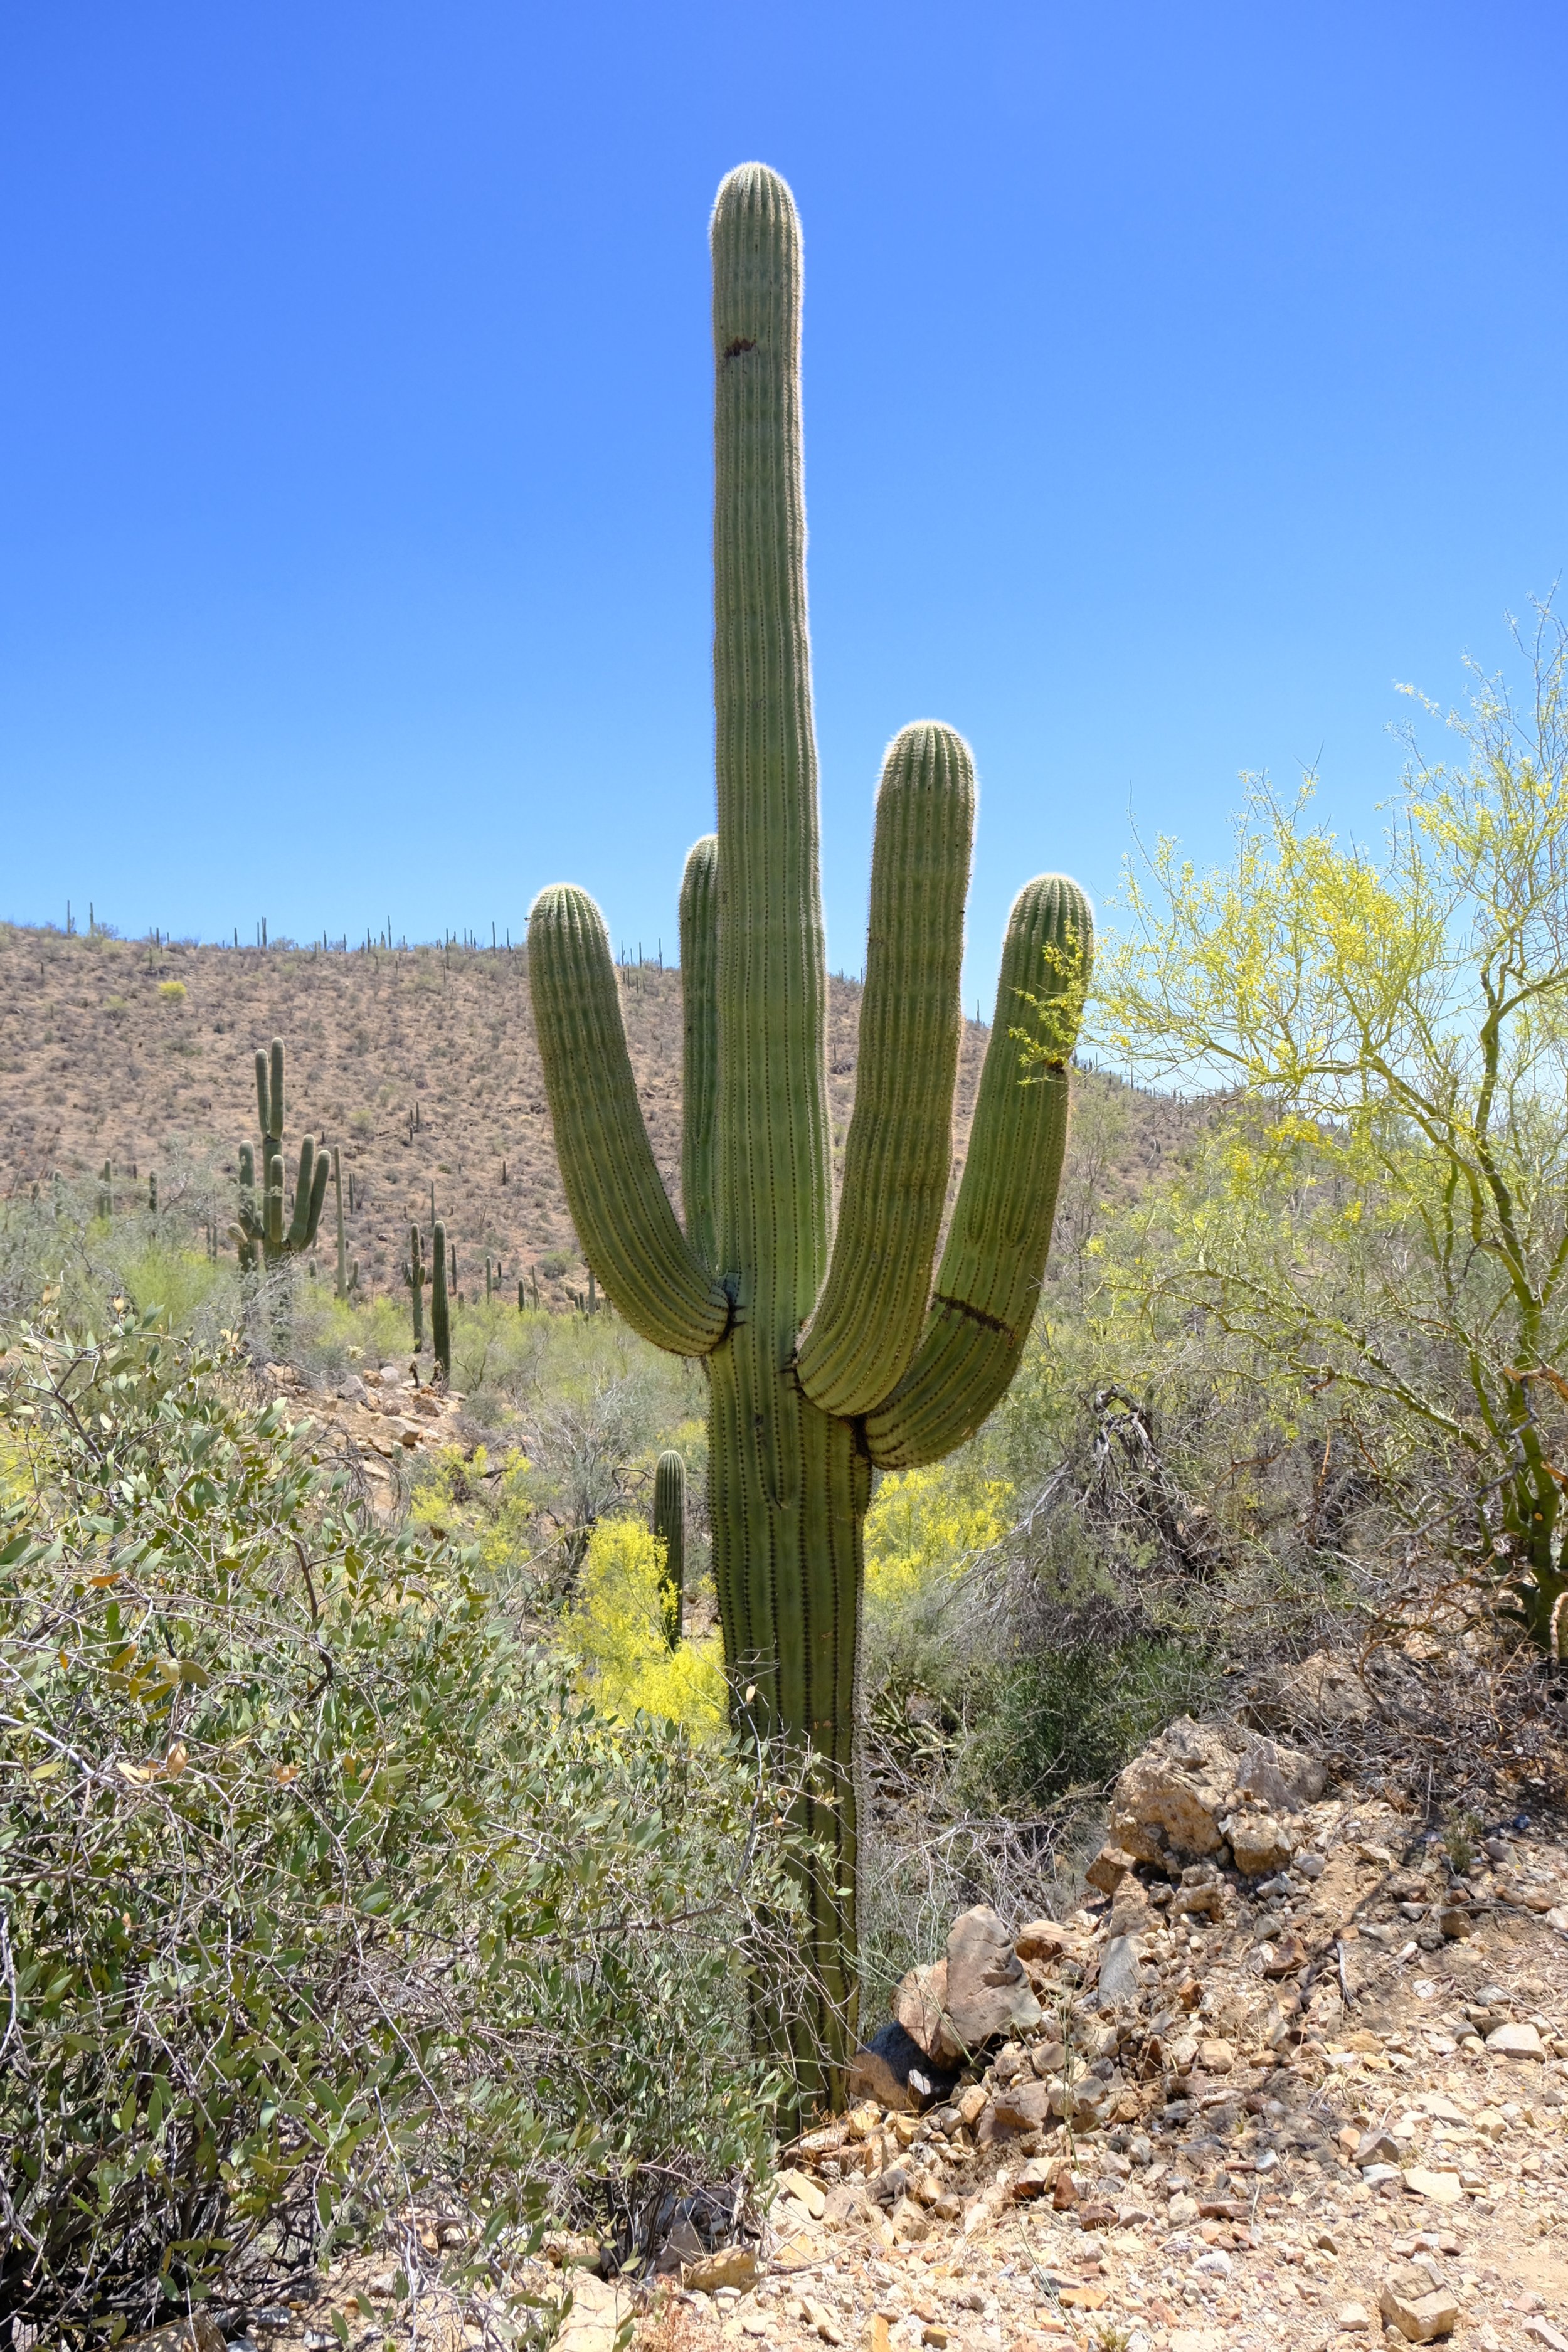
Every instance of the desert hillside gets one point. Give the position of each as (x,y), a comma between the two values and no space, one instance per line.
(419,1062)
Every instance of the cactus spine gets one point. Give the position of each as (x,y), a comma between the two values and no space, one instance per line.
(824,1363)
(261,1234)
(669,1529)
(417,1284)
(440,1318)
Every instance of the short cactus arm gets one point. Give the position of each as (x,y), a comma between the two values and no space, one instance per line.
(699,1006)
(865,1333)
(263,1104)
(624,1223)
(989,1280)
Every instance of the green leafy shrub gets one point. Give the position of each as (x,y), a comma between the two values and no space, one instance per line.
(318,1890)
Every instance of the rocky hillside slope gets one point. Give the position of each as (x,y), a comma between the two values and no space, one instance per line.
(1294,2073)
(419,1063)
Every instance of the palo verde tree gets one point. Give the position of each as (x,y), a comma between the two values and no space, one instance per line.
(1386,1204)
(828,1354)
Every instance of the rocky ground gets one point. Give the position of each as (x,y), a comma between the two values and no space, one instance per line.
(1295,2072)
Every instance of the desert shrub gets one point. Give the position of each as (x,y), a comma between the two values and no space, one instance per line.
(1064,1714)
(319,1890)
(173,992)
(555,1263)
(172,1283)
(616,1630)
(925,1528)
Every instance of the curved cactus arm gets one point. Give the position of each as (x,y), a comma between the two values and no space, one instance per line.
(865,1333)
(989,1280)
(624,1223)
(699,1088)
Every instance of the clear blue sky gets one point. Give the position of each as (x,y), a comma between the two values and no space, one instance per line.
(1176,380)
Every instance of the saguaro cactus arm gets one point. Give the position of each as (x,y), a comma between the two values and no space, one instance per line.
(989,1279)
(309,1192)
(624,1223)
(865,1333)
(700,1070)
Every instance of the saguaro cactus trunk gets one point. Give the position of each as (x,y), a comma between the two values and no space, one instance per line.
(669,1527)
(827,1357)
(440,1311)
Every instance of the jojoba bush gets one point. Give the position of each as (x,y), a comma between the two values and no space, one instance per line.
(319,1890)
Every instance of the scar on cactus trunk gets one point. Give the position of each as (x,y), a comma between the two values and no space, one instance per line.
(829,1356)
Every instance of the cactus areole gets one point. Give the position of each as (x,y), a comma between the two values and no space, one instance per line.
(829,1354)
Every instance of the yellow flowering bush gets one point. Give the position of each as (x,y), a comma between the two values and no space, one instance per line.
(616,1631)
(925,1525)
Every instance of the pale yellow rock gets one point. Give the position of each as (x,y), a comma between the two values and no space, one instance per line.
(1420,2313)
(1437,2187)
(731,2266)
(800,2186)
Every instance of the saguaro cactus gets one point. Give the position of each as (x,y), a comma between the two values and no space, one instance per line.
(342,1237)
(669,1526)
(417,1284)
(260,1234)
(827,1356)
(440,1314)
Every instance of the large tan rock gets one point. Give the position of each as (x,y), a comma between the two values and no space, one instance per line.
(1023,2106)
(919,2005)
(1322,1695)
(988,1992)
(1108,1868)
(1259,1843)
(1183,1783)
(1193,1780)
(1412,2299)
(1280,1780)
